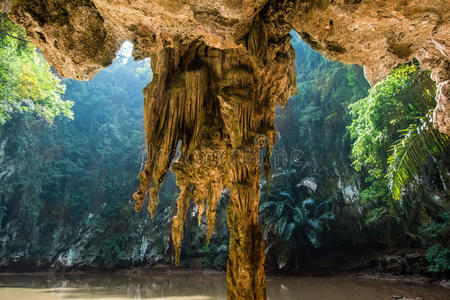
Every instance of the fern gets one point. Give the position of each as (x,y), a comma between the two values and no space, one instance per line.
(419,142)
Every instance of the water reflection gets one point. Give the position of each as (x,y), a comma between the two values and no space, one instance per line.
(345,288)
(106,286)
(204,287)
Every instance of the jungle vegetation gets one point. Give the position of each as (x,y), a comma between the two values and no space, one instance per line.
(66,185)
(27,82)
(394,141)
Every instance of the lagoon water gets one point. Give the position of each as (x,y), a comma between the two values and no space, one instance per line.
(205,287)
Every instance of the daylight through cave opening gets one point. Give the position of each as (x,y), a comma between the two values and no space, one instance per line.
(221,105)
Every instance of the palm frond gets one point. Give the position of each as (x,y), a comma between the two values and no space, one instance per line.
(308,203)
(327,216)
(418,143)
(279,209)
(266,205)
(268,247)
(316,224)
(322,206)
(307,206)
(314,237)
(287,195)
(300,216)
(281,225)
(267,229)
(288,231)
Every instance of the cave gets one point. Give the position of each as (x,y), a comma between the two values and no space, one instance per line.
(220,70)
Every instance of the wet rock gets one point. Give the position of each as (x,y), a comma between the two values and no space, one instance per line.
(403,263)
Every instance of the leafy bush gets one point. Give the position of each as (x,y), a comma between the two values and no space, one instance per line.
(392,105)
(439,258)
(438,232)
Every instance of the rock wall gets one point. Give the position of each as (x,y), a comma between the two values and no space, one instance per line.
(381,34)
(4,6)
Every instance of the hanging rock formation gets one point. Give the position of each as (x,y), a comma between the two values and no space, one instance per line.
(220,68)
(221,105)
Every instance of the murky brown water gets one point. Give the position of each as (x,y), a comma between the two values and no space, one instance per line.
(205,287)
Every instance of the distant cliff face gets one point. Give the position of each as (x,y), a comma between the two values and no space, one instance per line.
(81,37)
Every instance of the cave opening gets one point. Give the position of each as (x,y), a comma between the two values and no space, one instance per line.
(219,74)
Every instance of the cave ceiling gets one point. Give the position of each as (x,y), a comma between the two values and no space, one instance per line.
(81,37)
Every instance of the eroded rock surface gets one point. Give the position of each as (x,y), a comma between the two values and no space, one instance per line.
(379,35)
(4,6)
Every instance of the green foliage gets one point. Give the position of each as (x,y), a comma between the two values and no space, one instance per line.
(392,105)
(315,120)
(401,101)
(439,259)
(418,143)
(290,221)
(69,185)
(313,124)
(27,83)
(438,230)
(65,183)
(437,233)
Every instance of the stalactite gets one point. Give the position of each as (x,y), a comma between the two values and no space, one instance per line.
(221,105)
(179,219)
(215,190)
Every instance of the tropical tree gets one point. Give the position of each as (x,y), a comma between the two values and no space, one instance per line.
(392,105)
(27,82)
(290,223)
(419,142)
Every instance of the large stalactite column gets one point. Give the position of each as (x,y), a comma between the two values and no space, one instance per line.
(245,271)
(221,105)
